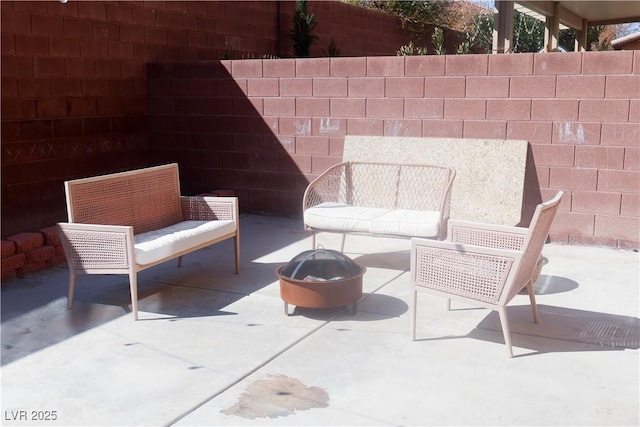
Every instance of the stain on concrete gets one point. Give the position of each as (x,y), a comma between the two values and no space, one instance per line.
(277,396)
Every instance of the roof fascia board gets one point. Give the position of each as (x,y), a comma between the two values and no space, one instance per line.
(615,21)
(545,8)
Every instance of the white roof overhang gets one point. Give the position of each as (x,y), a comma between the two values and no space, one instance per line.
(573,12)
(577,14)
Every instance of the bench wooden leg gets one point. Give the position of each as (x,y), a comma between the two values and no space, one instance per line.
(532,299)
(133,284)
(72,287)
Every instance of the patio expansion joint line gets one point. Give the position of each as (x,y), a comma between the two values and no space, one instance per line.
(250,372)
(270,359)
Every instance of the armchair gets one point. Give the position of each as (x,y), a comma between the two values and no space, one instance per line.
(482,264)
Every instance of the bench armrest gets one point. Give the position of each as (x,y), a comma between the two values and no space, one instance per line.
(486,235)
(97,248)
(199,208)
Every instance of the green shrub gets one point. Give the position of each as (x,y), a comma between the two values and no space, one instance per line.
(303,26)
(438,41)
(410,49)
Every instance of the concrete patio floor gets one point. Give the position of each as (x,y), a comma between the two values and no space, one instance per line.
(215,348)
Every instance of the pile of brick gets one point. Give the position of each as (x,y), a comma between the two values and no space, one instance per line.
(31,251)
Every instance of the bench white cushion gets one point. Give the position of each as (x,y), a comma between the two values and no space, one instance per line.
(342,217)
(162,243)
(406,222)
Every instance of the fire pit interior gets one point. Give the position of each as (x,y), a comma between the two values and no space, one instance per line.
(320,278)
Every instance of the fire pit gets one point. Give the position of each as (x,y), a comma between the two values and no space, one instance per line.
(320,278)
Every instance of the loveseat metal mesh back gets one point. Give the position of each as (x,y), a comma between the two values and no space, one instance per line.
(384,185)
(147,199)
(330,188)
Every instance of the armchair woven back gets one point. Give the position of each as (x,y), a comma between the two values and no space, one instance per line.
(535,240)
(146,199)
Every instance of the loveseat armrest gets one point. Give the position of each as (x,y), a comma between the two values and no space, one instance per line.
(97,249)
(486,235)
(329,186)
(199,208)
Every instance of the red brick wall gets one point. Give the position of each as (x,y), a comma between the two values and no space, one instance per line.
(264,128)
(74,103)
(74,80)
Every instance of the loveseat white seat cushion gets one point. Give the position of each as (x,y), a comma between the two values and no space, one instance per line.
(407,222)
(343,217)
(398,222)
(165,242)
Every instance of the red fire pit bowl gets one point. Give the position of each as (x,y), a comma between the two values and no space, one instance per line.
(321,294)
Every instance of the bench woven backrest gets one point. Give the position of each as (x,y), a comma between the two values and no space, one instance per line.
(146,199)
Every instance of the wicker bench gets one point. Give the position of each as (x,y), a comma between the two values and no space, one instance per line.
(126,222)
(383,199)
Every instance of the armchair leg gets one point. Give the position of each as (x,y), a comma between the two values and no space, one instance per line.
(532,298)
(179,261)
(133,284)
(72,287)
(313,239)
(502,311)
(342,243)
(236,246)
